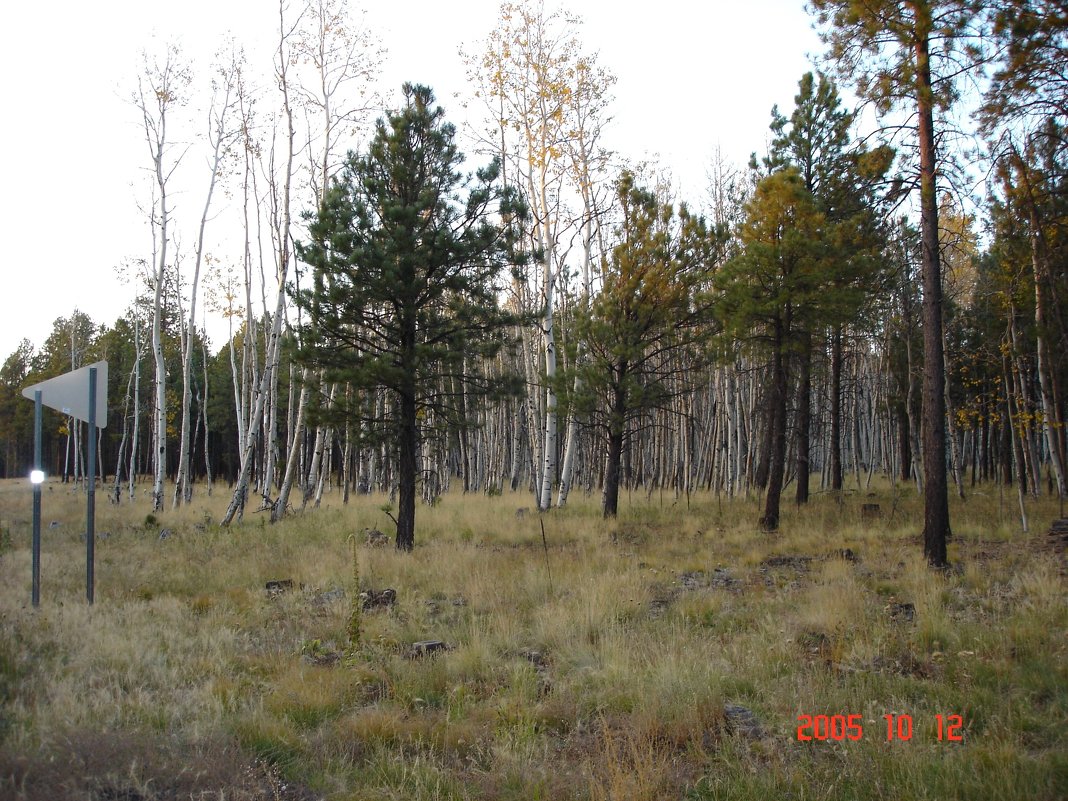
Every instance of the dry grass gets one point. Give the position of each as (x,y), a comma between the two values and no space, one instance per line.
(612,678)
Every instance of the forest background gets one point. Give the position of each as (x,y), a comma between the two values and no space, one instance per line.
(783,328)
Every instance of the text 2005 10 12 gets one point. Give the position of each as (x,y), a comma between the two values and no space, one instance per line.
(851,727)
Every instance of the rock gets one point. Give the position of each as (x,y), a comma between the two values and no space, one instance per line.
(378,599)
(663,598)
(1058,531)
(427,648)
(328,597)
(742,721)
(322,599)
(278,587)
(870,511)
(722,578)
(693,580)
(323,654)
(536,658)
(796,562)
(321,659)
(166,534)
(376,538)
(846,554)
(901,612)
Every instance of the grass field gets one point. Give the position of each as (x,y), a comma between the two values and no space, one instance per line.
(664,655)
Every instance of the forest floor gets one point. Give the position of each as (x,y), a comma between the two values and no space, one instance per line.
(673,653)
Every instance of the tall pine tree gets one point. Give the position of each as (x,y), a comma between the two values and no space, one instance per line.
(905,55)
(841,176)
(407,253)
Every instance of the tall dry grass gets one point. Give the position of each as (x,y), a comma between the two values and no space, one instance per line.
(602,663)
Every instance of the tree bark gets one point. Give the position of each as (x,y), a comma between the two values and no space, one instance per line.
(804,420)
(936,529)
(408,463)
(777,421)
(614,453)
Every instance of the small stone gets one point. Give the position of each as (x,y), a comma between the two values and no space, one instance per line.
(722,578)
(901,612)
(427,648)
(378,599)
(693,580)
(278,587)
(796,562)
(166,534)
(847,554)
(536,658)
(742,721)
(328,597)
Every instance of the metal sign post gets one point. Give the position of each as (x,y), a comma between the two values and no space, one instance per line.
(90,508)
(37,476)
(81,394)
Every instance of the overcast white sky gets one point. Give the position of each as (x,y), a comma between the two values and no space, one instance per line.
(691,76)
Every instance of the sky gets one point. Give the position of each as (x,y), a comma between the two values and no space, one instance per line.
(691,78)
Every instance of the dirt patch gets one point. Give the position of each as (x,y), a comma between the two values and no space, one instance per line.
(93,766)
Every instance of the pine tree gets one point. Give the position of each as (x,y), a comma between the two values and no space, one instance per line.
(841,177)
(405,284)
(772,291)
(905,55)
(641,330)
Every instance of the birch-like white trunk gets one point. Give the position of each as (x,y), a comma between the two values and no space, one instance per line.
(548,473)
(219,138)
(268,379)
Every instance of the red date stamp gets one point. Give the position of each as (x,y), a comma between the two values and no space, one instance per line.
(851,727)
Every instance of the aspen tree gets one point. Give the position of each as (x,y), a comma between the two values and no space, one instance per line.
(222,135)
(161,90)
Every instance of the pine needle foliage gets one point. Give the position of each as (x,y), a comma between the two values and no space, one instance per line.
(407,255)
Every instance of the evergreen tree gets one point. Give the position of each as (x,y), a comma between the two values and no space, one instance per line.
(841,177)
(405,290)
(906,55)
(16,414)
(640,332)
(773,290)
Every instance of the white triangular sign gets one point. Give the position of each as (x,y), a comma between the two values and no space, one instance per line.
(69,393)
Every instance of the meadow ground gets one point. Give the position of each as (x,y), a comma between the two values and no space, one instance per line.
(664,655)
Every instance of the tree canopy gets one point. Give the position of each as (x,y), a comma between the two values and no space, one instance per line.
(407,257)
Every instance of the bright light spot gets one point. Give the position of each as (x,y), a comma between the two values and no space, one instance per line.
(37,476)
